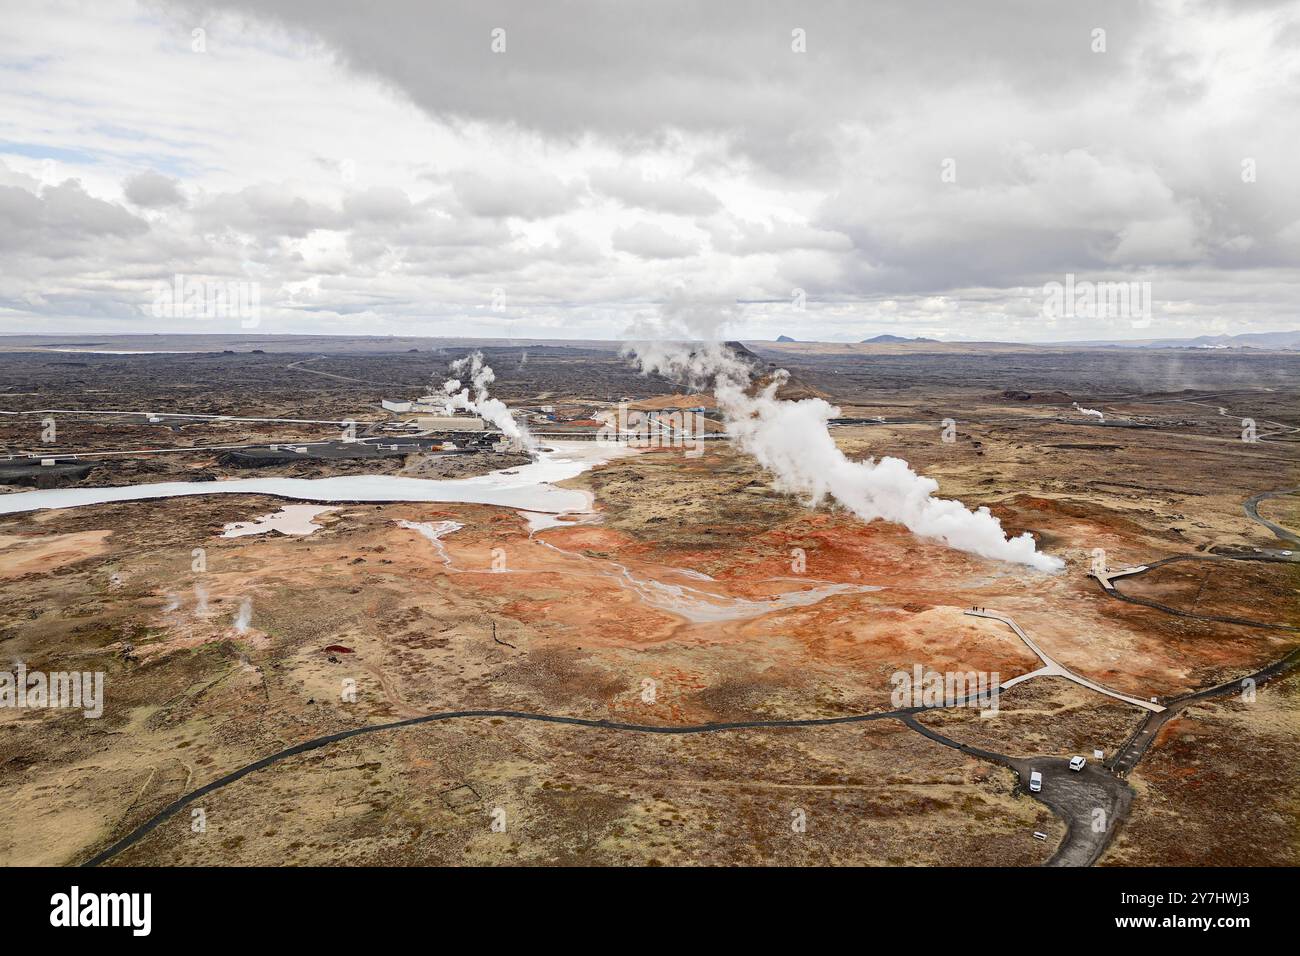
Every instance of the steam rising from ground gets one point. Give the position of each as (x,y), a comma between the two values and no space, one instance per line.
(792,440)
(1089,411)
(478,401)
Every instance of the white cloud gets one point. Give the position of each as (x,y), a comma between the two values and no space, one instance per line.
(633,188)
(389,173)
(649,241)
(523,194)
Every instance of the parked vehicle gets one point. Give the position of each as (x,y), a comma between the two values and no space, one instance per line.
(1077,763)
(1035,781)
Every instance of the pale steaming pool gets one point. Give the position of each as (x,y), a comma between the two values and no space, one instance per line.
(290,520)
(527,487)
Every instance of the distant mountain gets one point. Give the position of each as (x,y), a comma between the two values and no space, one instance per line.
(883,339)
(785,338)
(1243,340)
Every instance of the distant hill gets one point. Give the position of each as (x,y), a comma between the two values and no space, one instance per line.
(785,338)
(885,339)
(794,388)
(744,354)
(1243,340)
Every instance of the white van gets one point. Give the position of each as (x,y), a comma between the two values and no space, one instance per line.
(1035,781)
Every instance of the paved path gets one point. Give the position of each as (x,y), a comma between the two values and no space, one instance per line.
(1080,847)
(318,742)
(1107,577)
(1133,749)
(1251,507)
(1051,668)
(300,366)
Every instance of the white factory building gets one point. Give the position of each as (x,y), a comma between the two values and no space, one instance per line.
(430,415)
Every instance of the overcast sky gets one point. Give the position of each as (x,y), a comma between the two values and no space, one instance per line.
(914,168)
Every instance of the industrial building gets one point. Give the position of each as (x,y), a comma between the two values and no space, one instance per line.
(430,415)
(449,423)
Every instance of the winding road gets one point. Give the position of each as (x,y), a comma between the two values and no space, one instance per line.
(1135,748)
(1107,578)
(1127,757)
(1251,507)
(318,742)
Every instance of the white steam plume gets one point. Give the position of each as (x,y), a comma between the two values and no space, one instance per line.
(792,440)
(479,402)
(1089,411)
(245,616)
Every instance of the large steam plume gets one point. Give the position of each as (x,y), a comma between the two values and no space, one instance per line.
(792,440)
(480,403)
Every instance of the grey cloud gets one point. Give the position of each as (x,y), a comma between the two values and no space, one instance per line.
(61,220)
(737,237)
(662,195)
(527,195)
(378,204)
(727,65)
(153,190)
(266,211)
(1035,215)
(649,241)
(918,79)
(437,229)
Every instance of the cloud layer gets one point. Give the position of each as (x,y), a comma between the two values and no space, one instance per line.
(509,168)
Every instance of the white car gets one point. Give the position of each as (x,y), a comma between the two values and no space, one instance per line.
(1035,781)
(1077,763)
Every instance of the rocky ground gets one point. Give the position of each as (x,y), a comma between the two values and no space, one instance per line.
(548,623)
